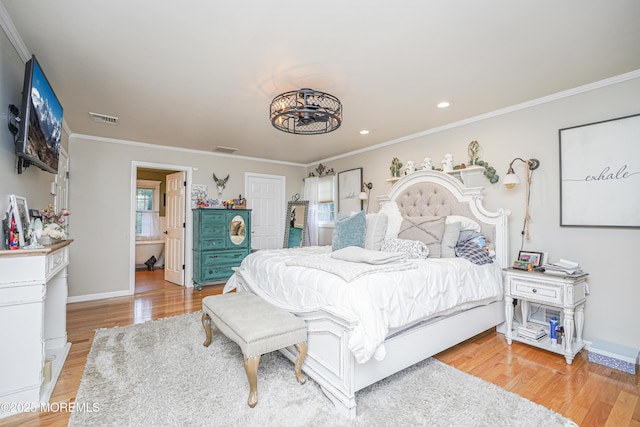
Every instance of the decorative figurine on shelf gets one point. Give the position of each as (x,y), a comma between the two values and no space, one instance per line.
(447,162)
(426,164)
(473,150)
(409,167)
(396,167)
(220,183)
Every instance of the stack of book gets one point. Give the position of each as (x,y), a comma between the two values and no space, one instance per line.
(532,332)
(563,267)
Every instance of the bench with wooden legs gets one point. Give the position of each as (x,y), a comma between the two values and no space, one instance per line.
(258,328)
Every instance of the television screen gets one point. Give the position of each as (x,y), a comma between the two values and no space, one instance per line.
(38,141)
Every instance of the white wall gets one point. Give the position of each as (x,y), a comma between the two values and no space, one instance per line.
(608,254)
(100,200)
(33,183)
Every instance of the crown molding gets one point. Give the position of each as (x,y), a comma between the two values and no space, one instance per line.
(529,104)
(12,33)
(179,149)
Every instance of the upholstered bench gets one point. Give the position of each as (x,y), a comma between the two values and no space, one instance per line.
(258,328)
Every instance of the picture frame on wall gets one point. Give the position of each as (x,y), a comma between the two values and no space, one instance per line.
(349,187)
(600,174)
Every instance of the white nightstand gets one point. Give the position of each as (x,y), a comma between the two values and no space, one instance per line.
(565,292)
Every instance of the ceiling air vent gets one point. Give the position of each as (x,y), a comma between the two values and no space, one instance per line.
(228,150)
(102,118)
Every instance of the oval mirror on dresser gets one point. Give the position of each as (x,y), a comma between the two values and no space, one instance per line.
(237,230)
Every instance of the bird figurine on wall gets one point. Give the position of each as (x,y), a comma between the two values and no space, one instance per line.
(220,183)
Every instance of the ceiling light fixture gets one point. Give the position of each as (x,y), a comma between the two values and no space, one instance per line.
(306,112)
(364,132)
(443,104)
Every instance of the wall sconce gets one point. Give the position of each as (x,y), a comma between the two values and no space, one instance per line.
(511,180)
(364,193)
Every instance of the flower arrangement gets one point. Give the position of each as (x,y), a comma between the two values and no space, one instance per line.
(54,224)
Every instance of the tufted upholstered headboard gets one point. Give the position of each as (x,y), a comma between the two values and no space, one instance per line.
(433,193)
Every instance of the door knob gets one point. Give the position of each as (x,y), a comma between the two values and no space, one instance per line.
(166,232)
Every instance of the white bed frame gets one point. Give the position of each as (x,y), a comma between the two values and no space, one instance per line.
(329,361)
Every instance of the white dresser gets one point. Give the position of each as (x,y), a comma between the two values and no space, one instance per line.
(33,324)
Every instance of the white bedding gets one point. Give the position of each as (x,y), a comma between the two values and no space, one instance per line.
(381,302)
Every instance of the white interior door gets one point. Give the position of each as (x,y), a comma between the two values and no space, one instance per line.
(175,218)
(266,199)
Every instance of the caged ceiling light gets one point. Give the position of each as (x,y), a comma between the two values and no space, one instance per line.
(306,112)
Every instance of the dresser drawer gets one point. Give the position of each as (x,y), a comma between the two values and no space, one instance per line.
(213,258)
(212,230)
(536,291)
(220,272)
(216,243)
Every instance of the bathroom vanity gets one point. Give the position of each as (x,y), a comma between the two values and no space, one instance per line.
(33,324)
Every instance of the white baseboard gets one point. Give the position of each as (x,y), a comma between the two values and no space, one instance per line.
(92,297)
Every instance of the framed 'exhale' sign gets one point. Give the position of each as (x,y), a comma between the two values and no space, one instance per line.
(600,174)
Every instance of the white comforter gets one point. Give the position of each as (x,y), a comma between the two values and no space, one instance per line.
(380,302)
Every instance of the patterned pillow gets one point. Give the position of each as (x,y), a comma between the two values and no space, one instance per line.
(413,248)
(349,231)
(474,253)
(427,229)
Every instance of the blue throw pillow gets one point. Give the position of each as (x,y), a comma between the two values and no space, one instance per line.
(349,231)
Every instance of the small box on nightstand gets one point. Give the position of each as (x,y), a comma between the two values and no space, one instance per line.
(614,356)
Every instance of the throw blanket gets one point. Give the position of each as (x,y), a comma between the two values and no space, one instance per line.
(358,254)
(347,270)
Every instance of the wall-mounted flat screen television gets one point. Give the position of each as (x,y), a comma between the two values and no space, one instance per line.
(38,139)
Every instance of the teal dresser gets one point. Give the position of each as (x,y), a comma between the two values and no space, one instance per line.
(221,240)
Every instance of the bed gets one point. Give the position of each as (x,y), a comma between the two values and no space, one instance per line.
(369,322)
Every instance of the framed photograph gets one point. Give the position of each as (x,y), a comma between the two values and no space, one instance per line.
(535,258)
(20,212)
(349,187)
(600,174)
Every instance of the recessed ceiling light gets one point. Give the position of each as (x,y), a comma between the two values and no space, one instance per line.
(364,132)
(443,104)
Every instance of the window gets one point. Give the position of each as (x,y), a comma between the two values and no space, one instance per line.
(147,208)
(326,196)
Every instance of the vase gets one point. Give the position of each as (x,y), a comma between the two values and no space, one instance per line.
(48,240)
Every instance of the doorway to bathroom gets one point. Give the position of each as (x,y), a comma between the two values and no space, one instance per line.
(159,221)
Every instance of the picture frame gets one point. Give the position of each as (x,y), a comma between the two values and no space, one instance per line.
(600,166)
(349,187)
(20,212)
(534,258)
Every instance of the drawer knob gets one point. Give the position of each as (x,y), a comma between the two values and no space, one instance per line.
(535,290)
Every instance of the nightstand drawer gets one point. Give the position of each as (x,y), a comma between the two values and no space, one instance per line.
(536,291)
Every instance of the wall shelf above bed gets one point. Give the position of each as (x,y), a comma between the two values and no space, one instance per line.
(470,177)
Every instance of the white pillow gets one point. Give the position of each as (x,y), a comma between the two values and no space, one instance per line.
(376,230)
(395,219)
(465,223)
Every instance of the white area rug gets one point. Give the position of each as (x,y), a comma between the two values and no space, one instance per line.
(160,374)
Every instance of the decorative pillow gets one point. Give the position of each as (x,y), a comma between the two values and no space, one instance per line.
(465,223)
(349,231)
(427,229)
(413,248)
(474,253)
(375,232)
(395,219)
(450,240)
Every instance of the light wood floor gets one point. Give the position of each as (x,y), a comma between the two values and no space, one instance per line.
(590,394)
